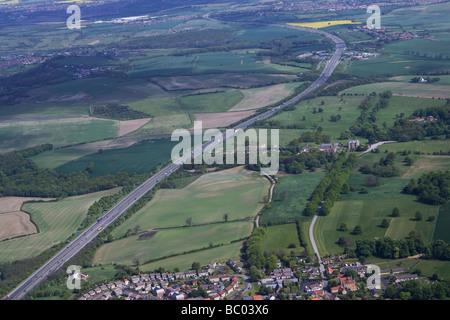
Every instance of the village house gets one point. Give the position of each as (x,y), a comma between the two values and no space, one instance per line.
(348,283)
(360,269)
(233,265)
(135,279)
(111,286)
(329,147)
(285,273)
(191,274)
(397,270)
(139,286)
(203,273)
(158,292)
(211,267)
(215,296)
(269,283)
(117,292)
(106,295)
(214,278)
(404,277)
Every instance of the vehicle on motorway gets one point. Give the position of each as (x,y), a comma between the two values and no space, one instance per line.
(100,229)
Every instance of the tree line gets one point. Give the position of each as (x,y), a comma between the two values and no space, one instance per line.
(116,112)
(20,176)
(330,187)
(388,248)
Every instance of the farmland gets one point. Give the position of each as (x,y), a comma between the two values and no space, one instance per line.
(369,214)
(15,222)
(323,24)
(139,158)
(108,96)
(291,195)
(367,209)
(169,242)
(55,222)
(306,114)
(434,90)
(59,132)
(282,237)
(206,200)
(201,205)
(184,261)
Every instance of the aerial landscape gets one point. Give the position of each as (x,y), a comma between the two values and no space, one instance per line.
(245,151)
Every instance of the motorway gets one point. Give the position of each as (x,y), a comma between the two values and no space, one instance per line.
(83,239)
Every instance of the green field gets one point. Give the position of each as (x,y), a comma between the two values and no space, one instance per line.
(21,135)
(442,224)
(141,157)
(369,209)
(423,90)
(422,146)
(54,158)
(282,237)
(369,214)
(396,64)
(184,262)
(431,267)
(171,241)
(236,192)
(56,221)
(201,63)
(347,108)
(298,189)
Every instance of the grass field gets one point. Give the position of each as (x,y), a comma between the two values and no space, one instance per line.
(139,158)
(431,267)
(165,124)
(59,132)
(229,80)
(347,108)
(282,237)
(13,221)
(422,90)
(56,221)
(261,97)
(298,189)
(236,192)
(369,214)
(201,63)
(442,224)
(205,201)
(171,241)
(184,262)
(396,64)
(369,209)
(406,105)
(189,104)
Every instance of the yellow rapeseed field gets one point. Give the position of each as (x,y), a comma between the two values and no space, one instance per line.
(322,24)
(9,2)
